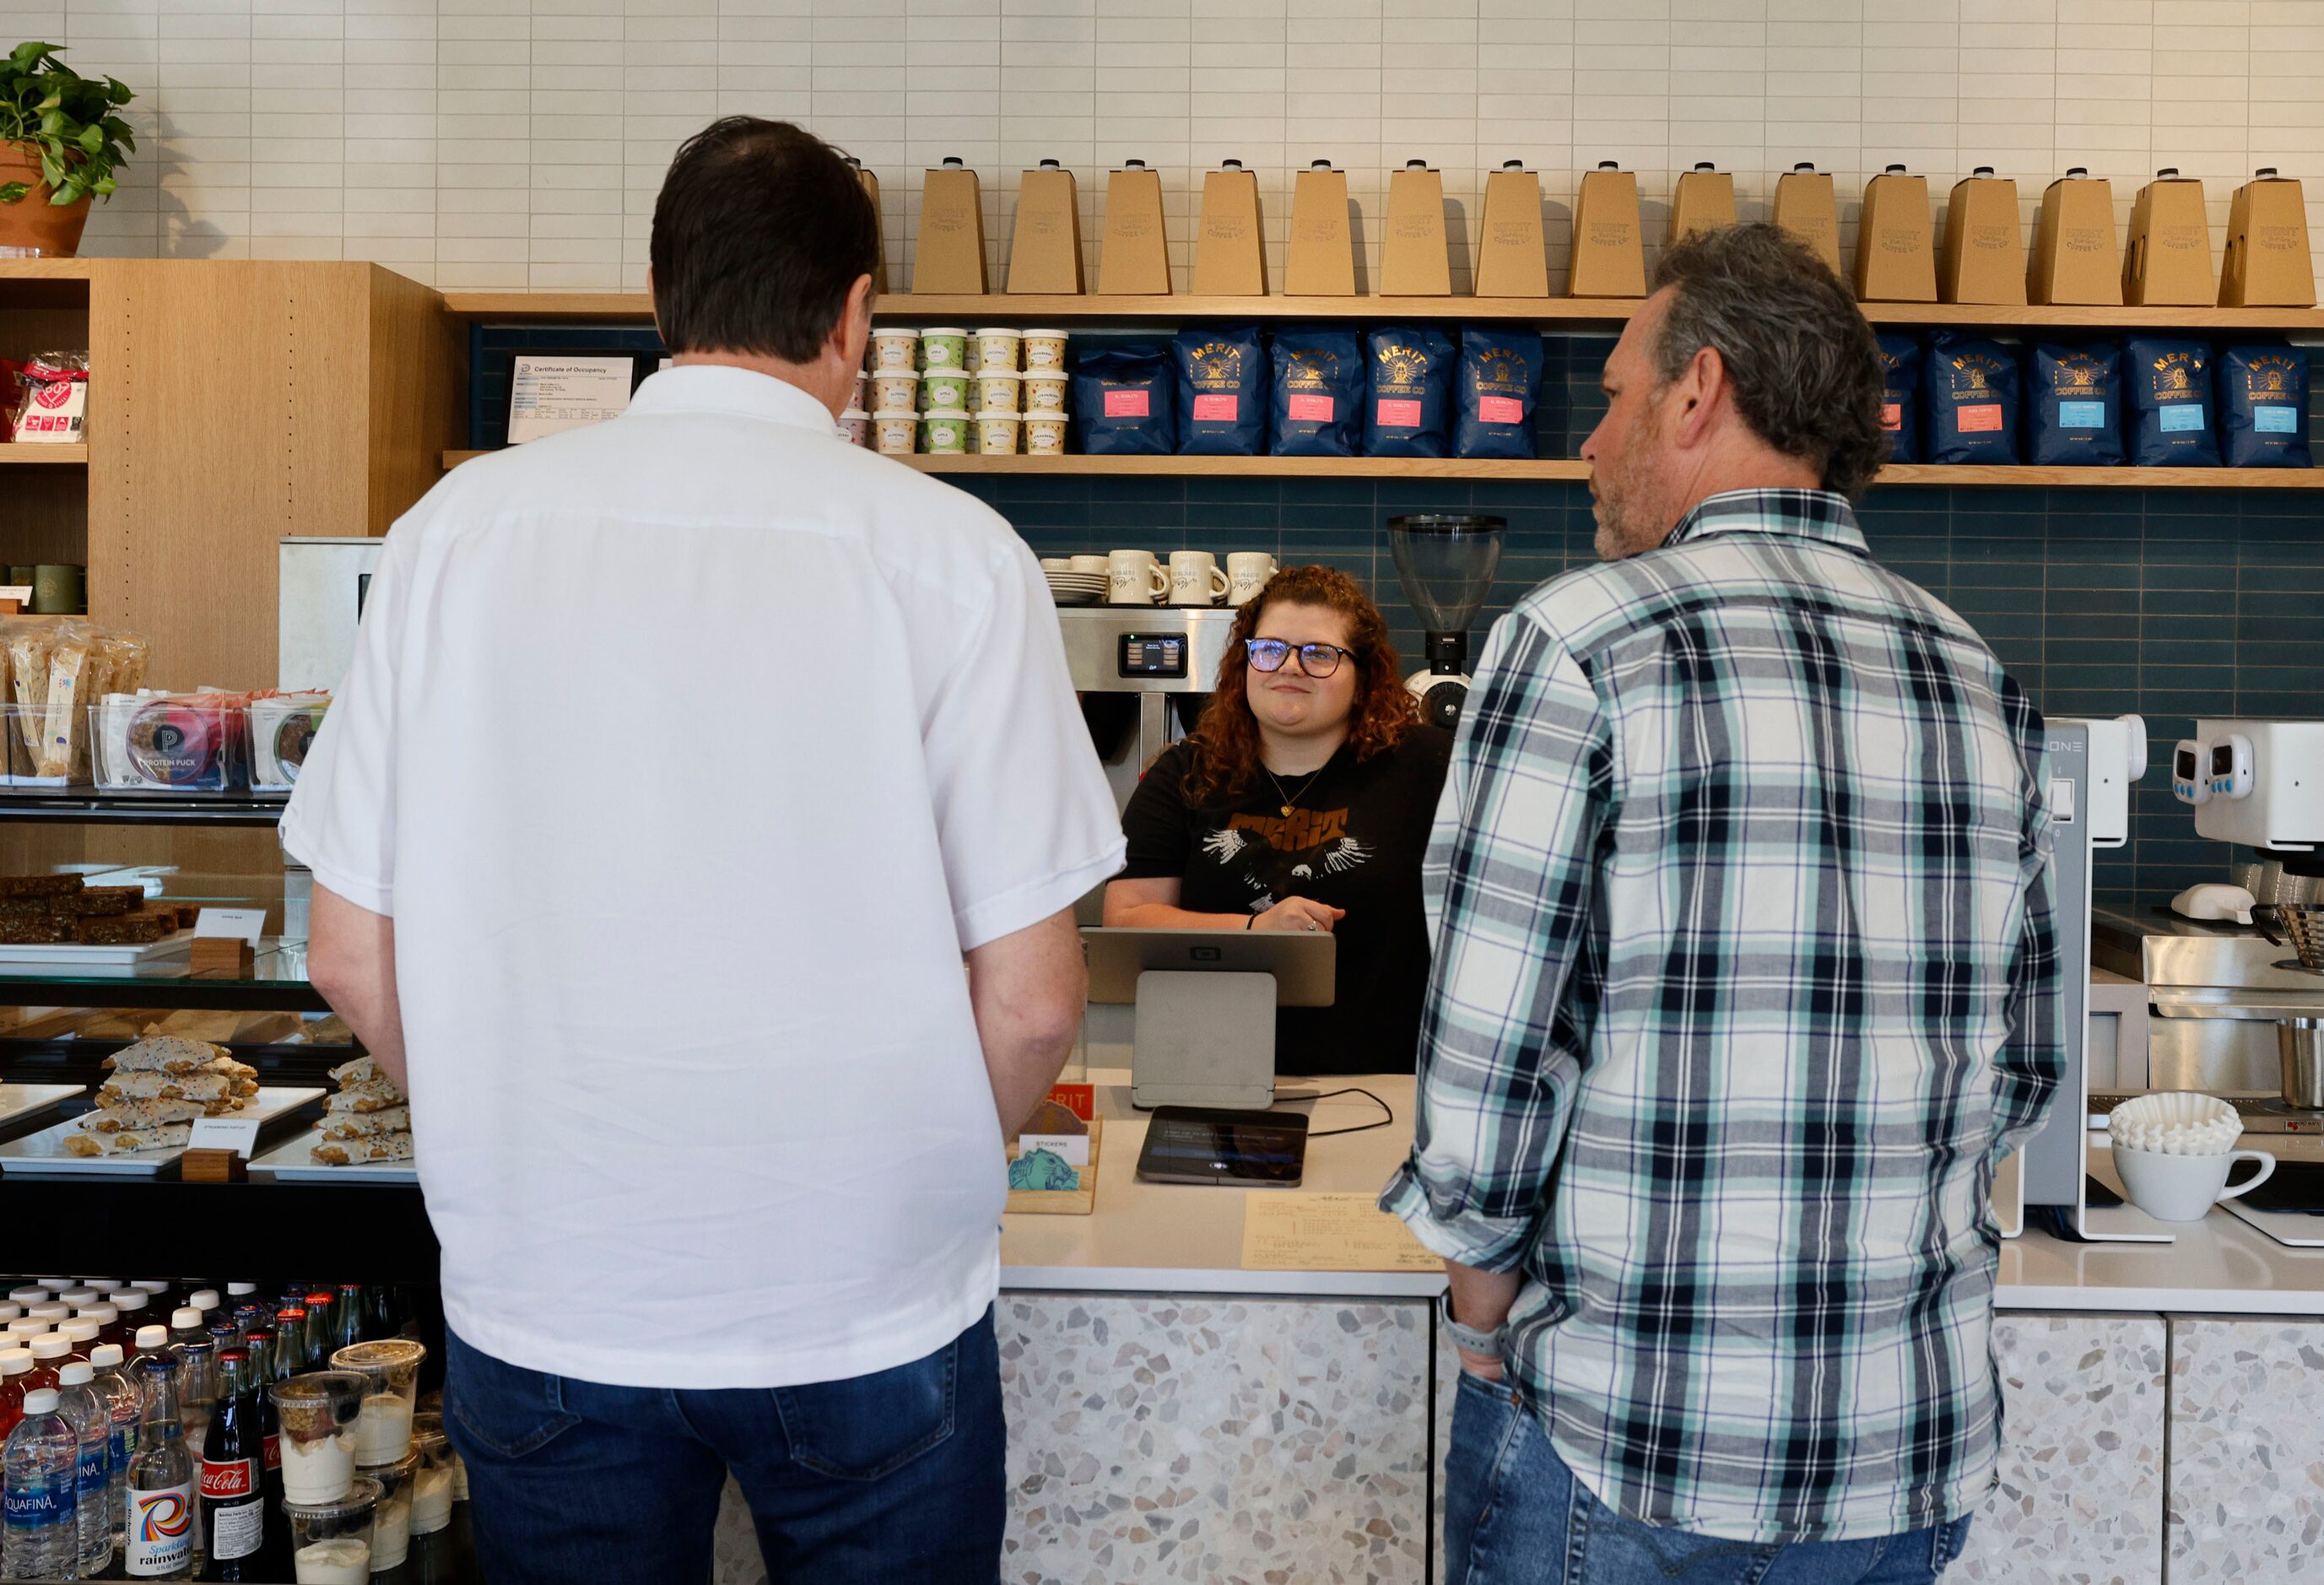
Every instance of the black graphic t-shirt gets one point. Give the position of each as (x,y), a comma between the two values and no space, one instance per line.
(1354,840)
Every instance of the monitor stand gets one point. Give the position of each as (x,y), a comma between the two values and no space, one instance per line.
(1203,1039)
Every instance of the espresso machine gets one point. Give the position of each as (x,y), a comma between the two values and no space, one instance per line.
(2235,971)
(1144,673)
(1446,561)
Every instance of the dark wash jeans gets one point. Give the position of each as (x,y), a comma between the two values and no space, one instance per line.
(892,1477)
(1514,1515)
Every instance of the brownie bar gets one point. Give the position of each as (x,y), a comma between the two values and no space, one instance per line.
(103,900)
(39,885)
(31,905)
(34,929)
(122,929)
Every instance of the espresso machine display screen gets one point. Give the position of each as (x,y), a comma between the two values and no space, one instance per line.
(1144,655)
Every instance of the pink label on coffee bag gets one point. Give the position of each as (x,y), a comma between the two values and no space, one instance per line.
(1397,412)
(1500,409)
(1125,404)
(1983,416)
(1310,409)
(1892,416)
(1226,409)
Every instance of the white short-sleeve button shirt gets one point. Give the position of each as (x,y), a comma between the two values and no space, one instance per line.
(689,753)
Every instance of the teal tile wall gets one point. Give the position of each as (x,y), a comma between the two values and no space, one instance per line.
(2173,604)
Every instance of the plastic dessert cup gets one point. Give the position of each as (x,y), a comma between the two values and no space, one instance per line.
(390,1521)
(895,349)
(995,390)
(317,1414)
(390,1369)
(895,389)
(942,393)
(892,433)
(1045,392)
(330,1542)
(1045,433)
(1045,349)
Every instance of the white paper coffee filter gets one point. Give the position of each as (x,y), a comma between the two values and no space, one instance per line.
(2177,1122)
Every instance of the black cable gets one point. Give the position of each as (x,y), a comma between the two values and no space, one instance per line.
(1388,1112)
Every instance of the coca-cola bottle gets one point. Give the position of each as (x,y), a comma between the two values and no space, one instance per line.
(158,1542)
(233,1498)
(274,1557)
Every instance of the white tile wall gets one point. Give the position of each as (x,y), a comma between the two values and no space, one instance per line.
(517,144)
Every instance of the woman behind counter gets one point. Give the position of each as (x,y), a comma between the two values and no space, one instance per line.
(1302,801)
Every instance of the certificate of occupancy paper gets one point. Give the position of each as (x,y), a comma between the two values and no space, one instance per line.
(1327,1233)
(553,394)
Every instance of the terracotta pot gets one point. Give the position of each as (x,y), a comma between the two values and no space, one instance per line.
(33,222)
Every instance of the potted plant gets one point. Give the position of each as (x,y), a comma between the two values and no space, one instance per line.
(60,145)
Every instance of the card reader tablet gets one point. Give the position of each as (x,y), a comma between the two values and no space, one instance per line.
(1241,1149)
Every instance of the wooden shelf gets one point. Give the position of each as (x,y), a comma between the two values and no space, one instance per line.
(39,454)
(970,311)
(1567,470)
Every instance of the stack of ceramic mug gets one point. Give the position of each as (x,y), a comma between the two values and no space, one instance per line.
(1183,578)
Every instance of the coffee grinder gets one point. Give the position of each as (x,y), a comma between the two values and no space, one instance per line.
(1446,561)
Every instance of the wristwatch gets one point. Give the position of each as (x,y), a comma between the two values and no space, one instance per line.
(1494,1344)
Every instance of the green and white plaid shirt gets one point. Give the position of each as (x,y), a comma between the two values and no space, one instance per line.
(1745,982)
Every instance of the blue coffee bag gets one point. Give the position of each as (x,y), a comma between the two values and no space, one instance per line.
(1123,401)
(1319,393)
(2169,401)
(1900,394)
(1221,391)
(1497,390)
(2263,399)
(1969,392)
(1409,408)
(2073,413)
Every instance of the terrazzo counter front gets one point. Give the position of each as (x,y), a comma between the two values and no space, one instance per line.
(1174,1416)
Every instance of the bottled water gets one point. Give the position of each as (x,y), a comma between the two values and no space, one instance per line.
(39,1470)
(126,1406)
(92,1418)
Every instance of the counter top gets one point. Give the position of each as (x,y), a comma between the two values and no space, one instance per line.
(1176,1237)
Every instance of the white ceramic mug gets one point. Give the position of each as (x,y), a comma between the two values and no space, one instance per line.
(1133,577)
(1195,578)
(1246,574)
(2182,1188)
(1096,563)
(1055,564)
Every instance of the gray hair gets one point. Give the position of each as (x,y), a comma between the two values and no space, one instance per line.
(1803,363)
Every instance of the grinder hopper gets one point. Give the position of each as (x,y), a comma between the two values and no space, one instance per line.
(1446,562)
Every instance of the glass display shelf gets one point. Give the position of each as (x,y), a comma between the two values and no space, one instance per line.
(87,808)
(277,979)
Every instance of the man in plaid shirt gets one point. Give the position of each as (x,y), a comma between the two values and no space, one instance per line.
(1745,982)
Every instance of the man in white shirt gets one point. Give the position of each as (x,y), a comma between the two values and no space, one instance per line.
(682,762)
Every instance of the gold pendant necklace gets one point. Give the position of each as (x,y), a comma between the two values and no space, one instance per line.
(1290,801)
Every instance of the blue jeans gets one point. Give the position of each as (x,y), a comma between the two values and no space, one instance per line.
(884,1478)
(1514,1515)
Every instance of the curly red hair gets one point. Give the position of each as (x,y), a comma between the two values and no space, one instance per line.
(1223,751)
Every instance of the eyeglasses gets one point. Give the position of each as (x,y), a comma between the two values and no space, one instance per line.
(1315,659)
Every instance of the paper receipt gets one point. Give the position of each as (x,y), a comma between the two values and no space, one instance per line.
(1327,1233)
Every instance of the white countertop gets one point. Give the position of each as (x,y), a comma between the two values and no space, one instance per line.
(1184,1239)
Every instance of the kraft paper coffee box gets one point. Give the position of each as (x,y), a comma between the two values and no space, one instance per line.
(1703,200)
(1045,252)
(2168,257)
(950,257)
(2267,262)
(1895,251)
(1609,256)
(1512,253)
(1415,258)
(1807,207)
(1230,251)
(1985,241)
(1321,260)
(871,185)
(2077,258)
(1133,257)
